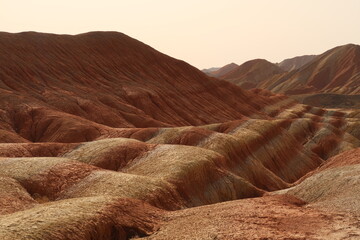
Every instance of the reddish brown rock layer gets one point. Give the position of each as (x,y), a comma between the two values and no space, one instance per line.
(186,166)
(82,218)
(71,88)
(124,113)
(335,71)
(13,197)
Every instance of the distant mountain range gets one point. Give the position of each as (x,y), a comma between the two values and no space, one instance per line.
(335,71)
(252,73)
(219,72)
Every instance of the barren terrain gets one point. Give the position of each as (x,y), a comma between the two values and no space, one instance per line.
(103,137)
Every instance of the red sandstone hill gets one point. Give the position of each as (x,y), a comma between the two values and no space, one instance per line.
(88,82)
(249,74)
(335,71)
(94,146)
(295,63)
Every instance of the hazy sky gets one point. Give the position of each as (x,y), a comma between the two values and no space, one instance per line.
(205,33)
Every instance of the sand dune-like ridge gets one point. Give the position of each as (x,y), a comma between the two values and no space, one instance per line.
(103,137)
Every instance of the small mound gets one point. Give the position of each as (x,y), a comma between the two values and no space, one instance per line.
(271,217)
(82,219)
(45,178)
(336,189)
(108,183)
(13,197)
(200,175)
(112,153)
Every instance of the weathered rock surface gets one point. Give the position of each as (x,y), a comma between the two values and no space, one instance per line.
(105,138)
(275,217)
(62,88)
(337,71)
(333,186)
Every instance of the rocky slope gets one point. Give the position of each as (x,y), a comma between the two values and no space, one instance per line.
(71,88)
(334,186)
(105,138)
(184,167)
(335,71)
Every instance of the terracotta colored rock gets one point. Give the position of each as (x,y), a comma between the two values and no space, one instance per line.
(335,189)
(13,197)
(103,137)
(335,71)
(316,80)
(275,217)
(109,79)
(82,218)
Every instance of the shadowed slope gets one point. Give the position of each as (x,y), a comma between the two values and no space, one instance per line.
(329,100)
